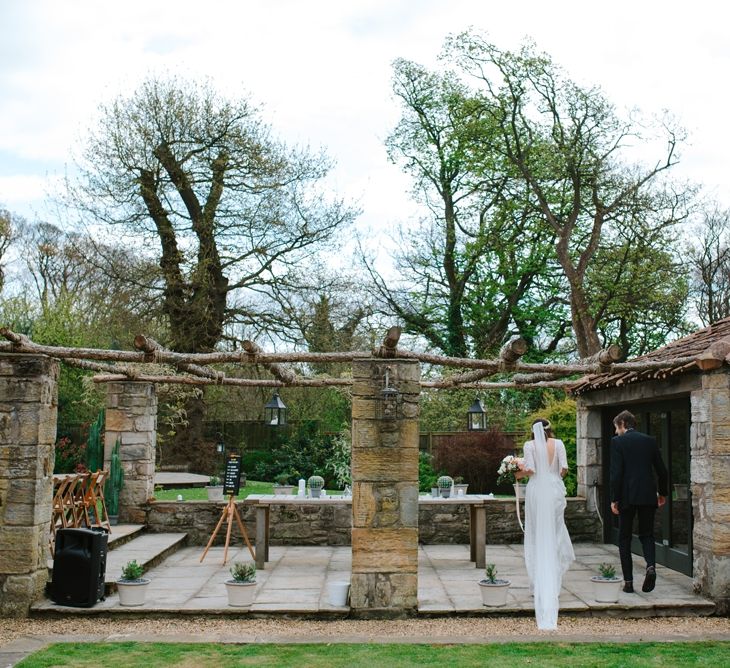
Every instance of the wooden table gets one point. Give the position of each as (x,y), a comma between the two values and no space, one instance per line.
(263,503)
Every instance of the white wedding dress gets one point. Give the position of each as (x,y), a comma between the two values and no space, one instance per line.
(548,550)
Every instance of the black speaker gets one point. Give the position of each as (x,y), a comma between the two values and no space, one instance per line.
(79,567)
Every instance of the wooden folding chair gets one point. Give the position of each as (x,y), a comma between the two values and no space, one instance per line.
(81,512)
(70,507)
(95,501)
(59,519)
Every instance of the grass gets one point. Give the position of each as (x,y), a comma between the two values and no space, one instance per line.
(200,493)
(331,655)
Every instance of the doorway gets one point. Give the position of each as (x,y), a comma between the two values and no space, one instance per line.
(669,423)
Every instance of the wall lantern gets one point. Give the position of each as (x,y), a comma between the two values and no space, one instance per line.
(220,447)
(476,416)
(387,405)
(275,412)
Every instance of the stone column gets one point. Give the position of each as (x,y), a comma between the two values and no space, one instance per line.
(710,476)
(385,489)
(589,461)
(131,417)
(28,412)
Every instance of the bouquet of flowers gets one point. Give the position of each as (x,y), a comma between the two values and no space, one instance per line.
(508,467)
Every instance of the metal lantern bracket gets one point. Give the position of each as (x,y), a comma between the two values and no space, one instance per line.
(388,404)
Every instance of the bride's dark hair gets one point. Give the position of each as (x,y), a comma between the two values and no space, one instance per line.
(547,427)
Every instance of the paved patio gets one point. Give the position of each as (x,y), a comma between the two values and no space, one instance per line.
(295,581)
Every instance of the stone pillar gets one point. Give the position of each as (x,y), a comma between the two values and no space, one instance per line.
(131,417)
(589,461)
(28,412)
(384,489)
(710,477)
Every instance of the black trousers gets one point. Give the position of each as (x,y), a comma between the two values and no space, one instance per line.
(646,536)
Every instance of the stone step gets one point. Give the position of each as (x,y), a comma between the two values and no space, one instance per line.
(122,534)
(148,550)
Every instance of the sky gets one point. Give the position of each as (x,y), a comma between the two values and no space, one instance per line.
(321,71)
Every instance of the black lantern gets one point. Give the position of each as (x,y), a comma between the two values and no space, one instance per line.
(388,400)
(275,412)
(476,417)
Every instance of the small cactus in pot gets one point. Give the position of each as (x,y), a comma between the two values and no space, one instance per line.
(315,484)
(445,483)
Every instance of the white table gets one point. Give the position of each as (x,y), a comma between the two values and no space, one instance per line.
(263,503)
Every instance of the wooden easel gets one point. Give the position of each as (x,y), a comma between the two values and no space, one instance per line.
(230,511)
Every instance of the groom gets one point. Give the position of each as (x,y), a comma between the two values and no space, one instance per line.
(635,458)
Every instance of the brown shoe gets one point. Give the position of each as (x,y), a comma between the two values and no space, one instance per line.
(629,587)
(649,580)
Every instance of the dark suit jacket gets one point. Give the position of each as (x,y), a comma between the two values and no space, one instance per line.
(635,458)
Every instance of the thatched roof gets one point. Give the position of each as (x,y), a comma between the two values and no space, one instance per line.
(706,349)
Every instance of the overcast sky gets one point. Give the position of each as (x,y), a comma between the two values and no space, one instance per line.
(322,69)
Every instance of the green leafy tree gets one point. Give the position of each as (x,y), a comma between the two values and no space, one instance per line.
(471,271)
(569,147)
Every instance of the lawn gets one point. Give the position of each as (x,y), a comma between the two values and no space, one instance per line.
(200,493)
(331,655)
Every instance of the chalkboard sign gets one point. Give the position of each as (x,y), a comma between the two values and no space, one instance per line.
(232,475)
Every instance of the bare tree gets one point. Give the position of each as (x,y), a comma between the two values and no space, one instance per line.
(709,257)
(228,208)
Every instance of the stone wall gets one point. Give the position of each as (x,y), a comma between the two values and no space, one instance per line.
(710,479)
(331,525)
(28,411)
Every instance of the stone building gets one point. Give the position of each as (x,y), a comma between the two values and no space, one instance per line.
(687,408)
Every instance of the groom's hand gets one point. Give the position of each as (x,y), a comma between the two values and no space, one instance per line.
(661,500)
(614,507)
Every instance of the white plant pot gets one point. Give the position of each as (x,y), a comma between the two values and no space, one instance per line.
(338,593)
(494,595)
(132,592)
(460,487)
(605,590)
(240,594)
(215,492)
(315,492)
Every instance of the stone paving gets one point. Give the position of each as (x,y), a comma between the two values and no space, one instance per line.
(295,580)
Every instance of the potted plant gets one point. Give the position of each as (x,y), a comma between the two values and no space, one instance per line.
(315,484)
(282,485)
(242,584)
(214,488)
(445,483)
(494,591)
(460,486)
(132,586)
(607,585)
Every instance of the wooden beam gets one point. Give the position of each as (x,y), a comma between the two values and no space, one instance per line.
(286,376)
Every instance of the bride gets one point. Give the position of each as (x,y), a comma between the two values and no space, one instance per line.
(548,550)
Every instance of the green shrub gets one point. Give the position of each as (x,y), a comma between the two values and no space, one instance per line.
(426,474)
(68,455)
